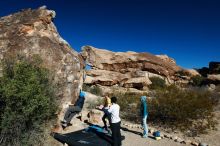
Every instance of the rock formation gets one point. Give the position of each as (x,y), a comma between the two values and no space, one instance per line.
(211,73)
(32,32)
(127,69)
(214,67)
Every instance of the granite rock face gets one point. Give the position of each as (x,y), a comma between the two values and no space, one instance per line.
(32,32)
(127,69)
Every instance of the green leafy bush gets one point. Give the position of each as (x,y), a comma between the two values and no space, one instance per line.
(27,102)
(92,89)
(129,105)
(182,73)
(86,87)
(157,83)
(197,80)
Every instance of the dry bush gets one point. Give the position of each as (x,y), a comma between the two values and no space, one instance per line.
(217,88)
(189,109)
(183,109)
(129,104)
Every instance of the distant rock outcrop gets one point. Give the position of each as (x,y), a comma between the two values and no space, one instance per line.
(211,73)
(32,32)
(127,69)
(214,67)
(214,72)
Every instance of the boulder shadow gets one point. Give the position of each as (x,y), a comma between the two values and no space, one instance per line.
(91,137)
(82,138)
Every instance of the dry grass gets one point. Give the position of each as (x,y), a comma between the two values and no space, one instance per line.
(186,110)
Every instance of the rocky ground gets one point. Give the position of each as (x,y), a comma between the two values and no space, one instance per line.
(133,139)
(132,132)
(133,136)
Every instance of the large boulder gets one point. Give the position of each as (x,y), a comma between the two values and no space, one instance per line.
(214,78)
(32,32)
(214,67)
(126,61)
(127,69)
(192,72)
(166,59)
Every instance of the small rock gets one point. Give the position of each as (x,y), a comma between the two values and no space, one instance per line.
(167,135)
(161,135)
(203,144)
(151,130)
(70,78)
(187,142)
(195,143)
(95,116)
(179,140)
(174,138)
(212,86)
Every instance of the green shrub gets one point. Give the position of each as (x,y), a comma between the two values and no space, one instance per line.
(94,103)
(27,102)
(92,89)
(183,109)
(182,73)
(86,88)
(157,83)
(96,90)
(129,104)
(197,80)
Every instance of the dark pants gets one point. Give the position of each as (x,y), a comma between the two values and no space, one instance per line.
(116,133)
(106,116)
(71,112)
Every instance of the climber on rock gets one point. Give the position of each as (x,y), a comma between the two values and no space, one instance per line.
(73,110)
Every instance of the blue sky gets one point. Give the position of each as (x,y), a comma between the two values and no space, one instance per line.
(186,30)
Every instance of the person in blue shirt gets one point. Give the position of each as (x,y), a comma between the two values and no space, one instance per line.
(73,110)
(144,114)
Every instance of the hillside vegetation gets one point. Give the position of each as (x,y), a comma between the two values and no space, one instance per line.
(189,110)
(27,102)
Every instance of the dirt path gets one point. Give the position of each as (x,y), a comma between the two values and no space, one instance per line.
(132,136)
(132,139)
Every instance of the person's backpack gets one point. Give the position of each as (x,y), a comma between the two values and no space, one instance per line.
(156,134)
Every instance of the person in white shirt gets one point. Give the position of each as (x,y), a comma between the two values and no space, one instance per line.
(114,110)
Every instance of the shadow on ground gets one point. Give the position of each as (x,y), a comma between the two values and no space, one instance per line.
(85,138)
(132,131)
(135,132)
(82,138)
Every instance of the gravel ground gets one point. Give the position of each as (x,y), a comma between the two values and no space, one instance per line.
(133,138)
